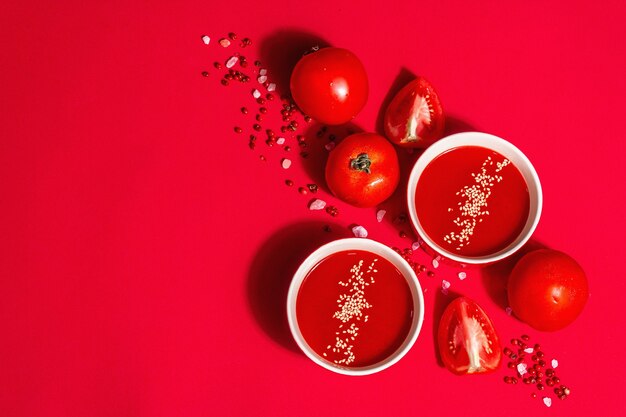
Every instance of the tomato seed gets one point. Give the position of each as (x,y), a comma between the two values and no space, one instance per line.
(238,129)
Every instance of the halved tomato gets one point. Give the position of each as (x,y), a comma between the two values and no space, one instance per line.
(414,118)
(467,340)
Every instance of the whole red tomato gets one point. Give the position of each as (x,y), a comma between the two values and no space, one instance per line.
(467,340)
(330,85)
(363,170)
(414,118)
(547,289)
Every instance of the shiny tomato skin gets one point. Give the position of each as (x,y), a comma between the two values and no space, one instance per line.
(547,289)
(330,85)
(468,342)
(414,117)
(353,184)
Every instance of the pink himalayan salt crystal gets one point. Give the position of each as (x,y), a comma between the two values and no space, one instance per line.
(262,79)
(232,61)
(280,141)
(380,214)
(529,350)
(445,284)
(547,401)
(359,231)
(435,263)
(206,39)
(329,146)
(508,310)
(263,71)
(415,246)
(554,363)
(256,93)
(521,369)
(462,275)
(224,42)
(271,87)
(285,163)
(317,204)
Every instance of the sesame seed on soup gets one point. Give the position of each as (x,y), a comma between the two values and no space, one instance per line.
(472,201)
(354,308)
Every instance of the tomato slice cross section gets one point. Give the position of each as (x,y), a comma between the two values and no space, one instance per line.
(467,340)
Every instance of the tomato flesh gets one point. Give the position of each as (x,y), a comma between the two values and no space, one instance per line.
(467,340)
(414,118)
(547,289)
(330,85)
(363,170)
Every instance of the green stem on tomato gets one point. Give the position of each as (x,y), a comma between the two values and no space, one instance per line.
(361,163)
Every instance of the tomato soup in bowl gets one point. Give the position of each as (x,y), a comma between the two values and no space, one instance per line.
(474,198)
(355,306)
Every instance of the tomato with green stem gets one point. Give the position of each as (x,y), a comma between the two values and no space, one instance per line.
(363,170)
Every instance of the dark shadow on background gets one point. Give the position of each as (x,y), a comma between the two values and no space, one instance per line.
(281,50)
(495,277)
(402,79)
(317,137)
(272,269)
(456,125)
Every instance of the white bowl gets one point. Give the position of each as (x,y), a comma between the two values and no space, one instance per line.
(369,246)
(510,152)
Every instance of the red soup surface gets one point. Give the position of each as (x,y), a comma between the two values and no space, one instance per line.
(354,308)
(472,201)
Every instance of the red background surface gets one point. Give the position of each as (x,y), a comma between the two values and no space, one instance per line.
(145,251)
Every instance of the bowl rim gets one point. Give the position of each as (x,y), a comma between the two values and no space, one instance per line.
(341,245)
(507,149)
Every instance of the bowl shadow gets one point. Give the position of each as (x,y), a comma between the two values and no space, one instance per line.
(272,269)
(495,276)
